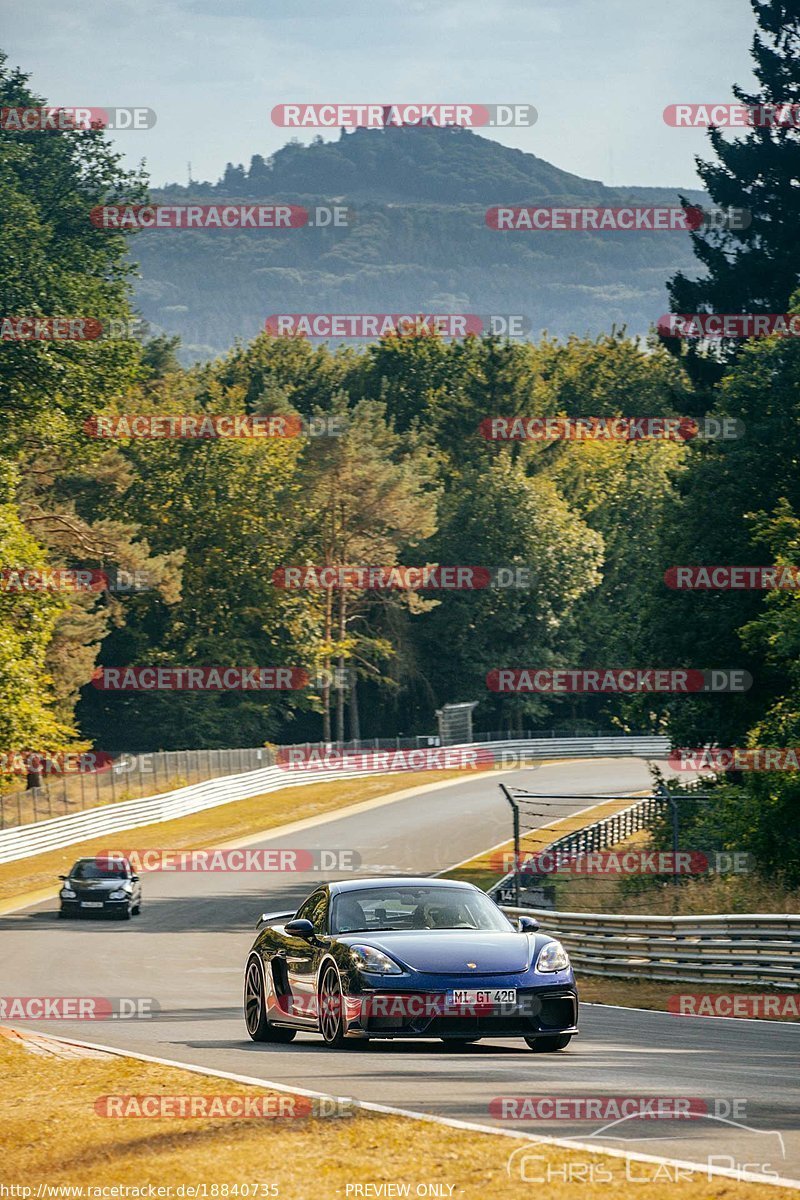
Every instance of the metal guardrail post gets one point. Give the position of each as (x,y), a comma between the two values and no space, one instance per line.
(672,801)
(515,811)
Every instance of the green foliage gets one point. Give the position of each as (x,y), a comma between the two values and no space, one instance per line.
(756,269)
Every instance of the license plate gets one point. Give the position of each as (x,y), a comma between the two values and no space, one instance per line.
(91,903)
(482,996)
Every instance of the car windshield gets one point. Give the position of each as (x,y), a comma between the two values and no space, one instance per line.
(90,870)
(433,907)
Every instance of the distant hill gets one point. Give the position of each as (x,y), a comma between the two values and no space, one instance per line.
(419,242)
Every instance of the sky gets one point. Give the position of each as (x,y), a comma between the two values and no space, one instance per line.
(599,72)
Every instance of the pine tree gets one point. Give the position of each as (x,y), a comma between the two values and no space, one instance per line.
(755,269)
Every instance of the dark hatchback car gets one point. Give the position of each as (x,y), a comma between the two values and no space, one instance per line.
(93,886)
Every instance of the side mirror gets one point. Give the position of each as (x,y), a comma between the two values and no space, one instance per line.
(299,928)
(63,877)
(527,924)
(134,878)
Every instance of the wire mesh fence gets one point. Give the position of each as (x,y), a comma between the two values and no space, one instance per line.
(133,776)
(127,777)
(602,865)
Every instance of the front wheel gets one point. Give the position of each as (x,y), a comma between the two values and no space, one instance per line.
(331,1009)
(547,1045)
(255,1008)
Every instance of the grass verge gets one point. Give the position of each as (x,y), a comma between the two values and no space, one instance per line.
(654,994)
(55,1136)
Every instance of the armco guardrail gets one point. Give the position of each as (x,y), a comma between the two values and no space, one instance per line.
(511,751)
(27,840)
(761,949)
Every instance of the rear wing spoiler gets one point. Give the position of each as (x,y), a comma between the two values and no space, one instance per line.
(273,918)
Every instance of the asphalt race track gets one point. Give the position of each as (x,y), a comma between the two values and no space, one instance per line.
(187,951)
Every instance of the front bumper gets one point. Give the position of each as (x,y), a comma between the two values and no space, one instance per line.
(95,906)
(546,1011)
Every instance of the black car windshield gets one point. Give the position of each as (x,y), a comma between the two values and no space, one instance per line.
(424,907)
(91,870)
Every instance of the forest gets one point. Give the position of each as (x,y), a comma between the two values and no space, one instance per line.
(388,464)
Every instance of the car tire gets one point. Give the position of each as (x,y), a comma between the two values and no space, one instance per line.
(548,1045)
(331,1005)
(255,1009)
(137,908)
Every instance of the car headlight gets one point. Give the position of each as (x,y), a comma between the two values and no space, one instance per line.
(375,962)
(67,893)
(120,895)
(552,957)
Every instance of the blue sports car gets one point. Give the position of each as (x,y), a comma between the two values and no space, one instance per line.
(410,958)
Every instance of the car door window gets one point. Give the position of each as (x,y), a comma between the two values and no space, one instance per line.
(315,910)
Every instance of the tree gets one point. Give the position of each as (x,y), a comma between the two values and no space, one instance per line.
(55,263)
(371,495)
(502,517)
(755,269)
(726,500)
(222,511)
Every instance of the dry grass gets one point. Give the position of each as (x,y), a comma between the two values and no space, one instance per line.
(646,993)
(214,826)
(698,896)
(54,1136)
